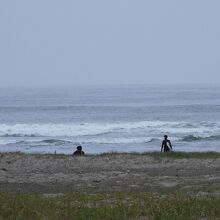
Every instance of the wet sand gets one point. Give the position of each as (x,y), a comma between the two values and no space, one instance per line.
(110,172)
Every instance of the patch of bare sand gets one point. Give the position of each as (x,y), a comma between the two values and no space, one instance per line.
(119,172)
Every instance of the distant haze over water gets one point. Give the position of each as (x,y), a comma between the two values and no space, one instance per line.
(110,118)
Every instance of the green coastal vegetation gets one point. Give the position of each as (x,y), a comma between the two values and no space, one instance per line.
(108,206)
(179,155)
(154,154)
(166,204)
(173,154)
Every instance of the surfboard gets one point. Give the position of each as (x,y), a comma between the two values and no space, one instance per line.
(168,145)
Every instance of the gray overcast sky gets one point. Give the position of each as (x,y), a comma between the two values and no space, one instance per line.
(51,42)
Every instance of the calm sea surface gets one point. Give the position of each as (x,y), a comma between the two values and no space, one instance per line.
(103,119)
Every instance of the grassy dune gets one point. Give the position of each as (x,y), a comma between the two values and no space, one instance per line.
(174,155)
(200,201)
(108,206)
(180,155)
(155,154)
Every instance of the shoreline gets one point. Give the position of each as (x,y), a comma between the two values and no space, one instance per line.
(110,172)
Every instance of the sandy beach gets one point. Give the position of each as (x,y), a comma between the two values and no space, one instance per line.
(108,172)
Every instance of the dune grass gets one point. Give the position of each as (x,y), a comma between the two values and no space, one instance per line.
(165,204)
(173,154)
(108,206)
(155,154)
(181,155)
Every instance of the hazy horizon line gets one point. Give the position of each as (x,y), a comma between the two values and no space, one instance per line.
(110,85)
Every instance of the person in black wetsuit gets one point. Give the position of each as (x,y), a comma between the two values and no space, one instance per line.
(166,145)
(79,151)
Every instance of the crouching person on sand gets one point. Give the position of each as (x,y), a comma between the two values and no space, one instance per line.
(79,151)
(166,145)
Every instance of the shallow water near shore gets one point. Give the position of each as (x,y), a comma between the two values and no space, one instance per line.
(105,119)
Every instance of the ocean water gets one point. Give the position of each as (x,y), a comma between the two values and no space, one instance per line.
(110,118)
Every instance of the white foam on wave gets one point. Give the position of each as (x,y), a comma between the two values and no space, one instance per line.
(5,142)
(150,128)
(122,140)
(52,130)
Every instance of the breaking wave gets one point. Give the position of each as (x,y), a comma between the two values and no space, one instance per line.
(107,133)
(58,142)
(95,129)
(191,138)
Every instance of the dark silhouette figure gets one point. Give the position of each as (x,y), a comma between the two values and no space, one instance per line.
(166,145)
(79,151)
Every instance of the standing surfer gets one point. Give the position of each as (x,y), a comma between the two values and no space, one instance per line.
(166,145)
